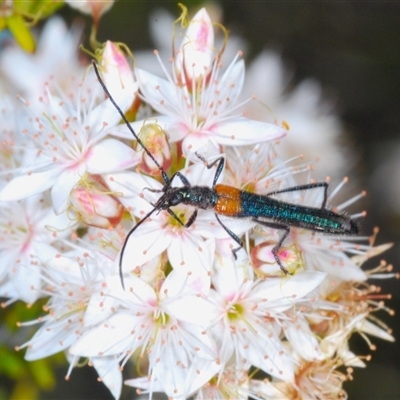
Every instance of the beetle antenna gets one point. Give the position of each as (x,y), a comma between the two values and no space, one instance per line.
(126,241)
(163,173)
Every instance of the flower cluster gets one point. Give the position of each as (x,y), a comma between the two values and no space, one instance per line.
(168,288)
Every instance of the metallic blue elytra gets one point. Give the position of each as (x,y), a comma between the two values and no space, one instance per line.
(316,219)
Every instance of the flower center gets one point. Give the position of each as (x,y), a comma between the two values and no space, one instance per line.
(236,311)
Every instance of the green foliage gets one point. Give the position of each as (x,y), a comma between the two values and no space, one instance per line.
(29,377)
(19,16)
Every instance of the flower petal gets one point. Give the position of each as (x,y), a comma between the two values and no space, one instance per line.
(304,340)
(109,155)
(29,184)
(50,339)
(342,267)
(193,309)
(196,50)
(156,90)
(129,187)
(62,188)
(110,373)
(232,81)
(280,294)
(243,131)
(117,75)
(110,338)
(143,245)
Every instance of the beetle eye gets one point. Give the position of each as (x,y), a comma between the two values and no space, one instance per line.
(177,199)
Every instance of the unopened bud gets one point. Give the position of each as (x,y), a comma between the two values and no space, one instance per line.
(95,8)
(196,53)
(94,205)
(117,75)
(264,262)
(156,141)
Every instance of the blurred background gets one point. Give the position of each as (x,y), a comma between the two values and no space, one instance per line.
(352,50)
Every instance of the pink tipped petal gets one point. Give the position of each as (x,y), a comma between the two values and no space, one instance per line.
(117,76)
(91,7)
(197,47)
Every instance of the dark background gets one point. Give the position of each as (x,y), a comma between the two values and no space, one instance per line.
(352,48)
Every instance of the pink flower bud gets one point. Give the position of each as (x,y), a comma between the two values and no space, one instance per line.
(94,205)
(264,262)
(156,141)
(117,75)
(194,60)
(95,8)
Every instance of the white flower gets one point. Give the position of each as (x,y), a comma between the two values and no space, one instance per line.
(29,230)
(10,151)
(203,108)
(189,250)
(319,380)
(166,325)
(250,314)
(352,309)
(70,280)
(68,140)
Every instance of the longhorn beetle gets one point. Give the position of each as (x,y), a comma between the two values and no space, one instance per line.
(233,202)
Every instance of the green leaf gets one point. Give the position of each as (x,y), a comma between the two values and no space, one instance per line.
(25,389)
(22,34)
(43,373)
(37,9)
(3,23)
(12,364)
